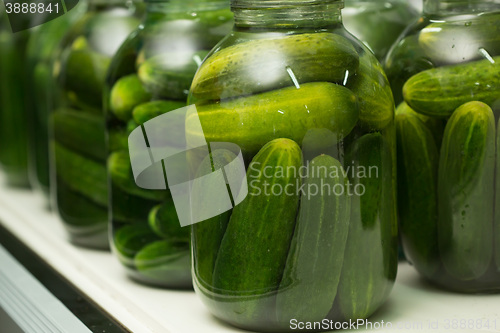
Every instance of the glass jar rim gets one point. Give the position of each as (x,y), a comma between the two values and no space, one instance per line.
(258,4)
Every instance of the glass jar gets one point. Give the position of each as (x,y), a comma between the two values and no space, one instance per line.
(76,125)
(13,142)
(378,23)
(150,76)
(309,108)
(445,71)
(41,50)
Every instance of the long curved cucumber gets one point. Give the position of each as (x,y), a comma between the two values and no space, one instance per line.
(287,113)
(267,64)
(316,255)
(466,191)
(254,249)
(81,132)
(436,92)
(367,270)
(81,174)
(207,235)
(166,261)
(418,160)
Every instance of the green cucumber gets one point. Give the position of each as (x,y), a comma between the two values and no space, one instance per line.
(368,266)
(164,221)
(497,204)
(80,132)
(207,235)
(84,76)
(126,94)
(165,262)
(267,64)
(117,139)
(120,171)
(251,122)
(254,249)
(440,91)
(148,111)
(466,191)
(126,208)
(81,174)
(418,160)
(169,75)
(370,85)
(129,240)
(435,125)
(316,254)
(453,41)
(80,215)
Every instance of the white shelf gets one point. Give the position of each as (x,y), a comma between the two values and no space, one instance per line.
(145,309)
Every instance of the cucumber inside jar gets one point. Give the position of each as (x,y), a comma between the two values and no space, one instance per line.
(456,100)
(149,77)
(77,130)
(297,101)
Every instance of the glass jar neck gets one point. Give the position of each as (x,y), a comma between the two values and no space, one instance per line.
(157,9)
(452,7)
(287,14)
(96,5)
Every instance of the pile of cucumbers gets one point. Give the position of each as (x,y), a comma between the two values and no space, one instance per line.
(77,126)
(448,173)
(277,257)
(150,76)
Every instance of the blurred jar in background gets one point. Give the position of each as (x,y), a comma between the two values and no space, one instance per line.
(13,131)
(41,50)
(445,72)
(76,126)
(378,23)
(150,76)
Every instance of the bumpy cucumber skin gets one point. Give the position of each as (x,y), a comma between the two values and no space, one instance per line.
(81,174)
(254,249)
(312,57)
(163,78)
(147,111)
(370,261)
(166,261)
(250,122)
(418,161)
(497,204)
(207,235)
(120,172)
(440,91)
(464,36)
(81,132)
(126,94)
(370,85)
(465,191)
(312,272)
